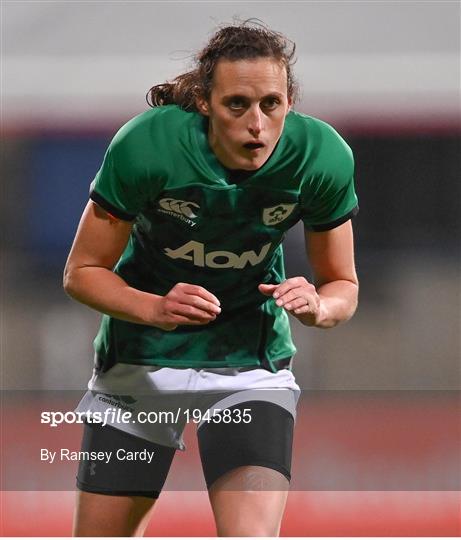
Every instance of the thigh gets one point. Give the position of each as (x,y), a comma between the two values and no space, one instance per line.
(264,439)
(119,478)
(117,463)
(249,501)
(247,467)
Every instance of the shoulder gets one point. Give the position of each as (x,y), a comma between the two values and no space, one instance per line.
(151,123)
(326,151)
(152,137)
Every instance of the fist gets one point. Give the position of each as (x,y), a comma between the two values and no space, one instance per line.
(186,304)
(297,296)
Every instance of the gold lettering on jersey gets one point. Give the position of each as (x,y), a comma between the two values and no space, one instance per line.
(195,252)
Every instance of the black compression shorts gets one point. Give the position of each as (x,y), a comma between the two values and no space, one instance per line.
(265,441)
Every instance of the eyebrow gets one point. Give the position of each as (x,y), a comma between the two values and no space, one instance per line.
(242,96)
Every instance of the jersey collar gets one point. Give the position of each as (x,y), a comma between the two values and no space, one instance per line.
(217,169)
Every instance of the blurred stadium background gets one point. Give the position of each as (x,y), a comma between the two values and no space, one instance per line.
(377,449)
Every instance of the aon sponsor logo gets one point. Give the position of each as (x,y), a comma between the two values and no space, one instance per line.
(195,252)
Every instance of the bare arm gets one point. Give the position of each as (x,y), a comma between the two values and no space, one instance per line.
(331,255)
(333,298)
(88,278)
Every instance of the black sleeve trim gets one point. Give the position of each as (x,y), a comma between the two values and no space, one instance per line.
(110,208)
(333,224)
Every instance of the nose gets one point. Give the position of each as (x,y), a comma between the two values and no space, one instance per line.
(255,121)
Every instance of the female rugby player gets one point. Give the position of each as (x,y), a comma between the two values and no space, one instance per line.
(180,248)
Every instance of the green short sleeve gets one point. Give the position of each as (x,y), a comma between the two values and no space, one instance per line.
(328,196)
(129,174)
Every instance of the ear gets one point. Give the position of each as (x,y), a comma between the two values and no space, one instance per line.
(290,104)
(202,106)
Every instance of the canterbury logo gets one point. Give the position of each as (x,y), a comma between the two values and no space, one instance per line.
(182,208)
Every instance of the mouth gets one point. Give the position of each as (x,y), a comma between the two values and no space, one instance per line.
(253,145)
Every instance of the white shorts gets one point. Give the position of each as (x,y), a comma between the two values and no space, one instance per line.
(161,400)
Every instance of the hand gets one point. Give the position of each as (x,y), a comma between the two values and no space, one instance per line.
(186,304)
(298,297)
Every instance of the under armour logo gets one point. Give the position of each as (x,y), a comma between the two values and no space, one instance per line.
(92,468)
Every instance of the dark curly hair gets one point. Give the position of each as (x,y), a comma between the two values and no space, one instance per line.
(247,40)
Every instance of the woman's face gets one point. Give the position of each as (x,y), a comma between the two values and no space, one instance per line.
(246,110)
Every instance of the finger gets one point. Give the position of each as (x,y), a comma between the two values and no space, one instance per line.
(290,295)
(200,303)
(308,294)
(289,284)
(168,327)
(267,288)
(302,309)
(197,290)
(192,313)
(298,302)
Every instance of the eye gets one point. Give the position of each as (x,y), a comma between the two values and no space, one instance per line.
(236,104)
(270,103)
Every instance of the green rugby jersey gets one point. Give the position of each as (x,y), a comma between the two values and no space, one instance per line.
(193,223)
